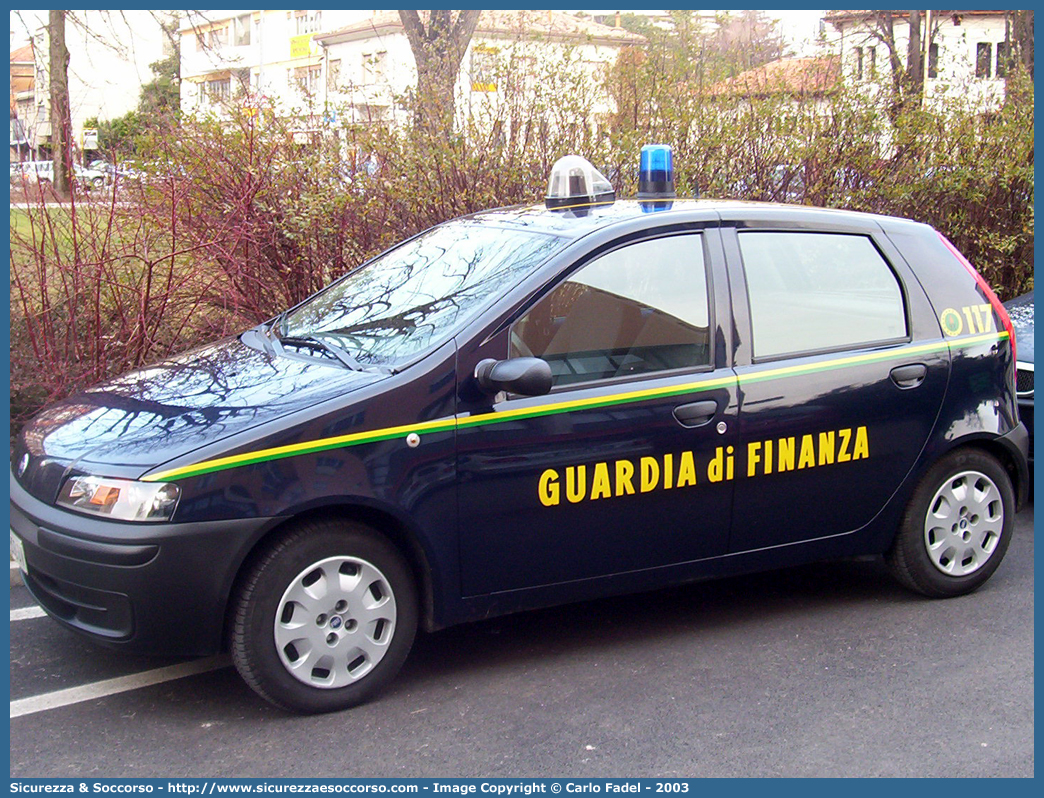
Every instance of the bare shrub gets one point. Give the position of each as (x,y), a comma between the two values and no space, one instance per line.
(95,291)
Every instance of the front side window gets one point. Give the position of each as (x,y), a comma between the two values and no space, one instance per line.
(813,292)
(307,78)
(374,66)
(308,21)
(217,37)
(638,309)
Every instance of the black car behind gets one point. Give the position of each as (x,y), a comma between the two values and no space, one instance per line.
(1021,311)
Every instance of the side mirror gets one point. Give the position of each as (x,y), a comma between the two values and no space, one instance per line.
(528,376)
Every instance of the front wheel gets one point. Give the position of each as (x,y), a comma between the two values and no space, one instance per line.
(324,618)
(957,526)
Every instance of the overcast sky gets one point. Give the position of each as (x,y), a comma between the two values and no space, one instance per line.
(799,27)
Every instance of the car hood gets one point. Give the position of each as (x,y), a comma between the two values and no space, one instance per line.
(138,421)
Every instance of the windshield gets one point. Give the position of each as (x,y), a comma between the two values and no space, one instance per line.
(420,293)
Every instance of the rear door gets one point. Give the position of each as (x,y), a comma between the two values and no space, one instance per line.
(839,388)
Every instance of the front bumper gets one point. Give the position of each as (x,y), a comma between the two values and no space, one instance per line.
(144,588)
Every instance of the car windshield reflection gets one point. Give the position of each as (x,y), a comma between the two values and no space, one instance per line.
(418,294)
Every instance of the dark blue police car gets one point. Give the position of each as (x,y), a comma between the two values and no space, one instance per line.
(531,406)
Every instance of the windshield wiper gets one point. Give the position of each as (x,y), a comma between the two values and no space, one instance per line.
(322,344)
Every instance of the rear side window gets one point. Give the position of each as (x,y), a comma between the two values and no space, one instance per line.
(641,308)
(810,292)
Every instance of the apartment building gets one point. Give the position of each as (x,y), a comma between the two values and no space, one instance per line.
(511,56)
(357,66)
(110,53)
(259,59)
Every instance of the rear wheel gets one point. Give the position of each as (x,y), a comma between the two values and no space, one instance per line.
(324,618)
(957,526)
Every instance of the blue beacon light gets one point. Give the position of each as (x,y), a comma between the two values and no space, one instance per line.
(656,178)
(656,173)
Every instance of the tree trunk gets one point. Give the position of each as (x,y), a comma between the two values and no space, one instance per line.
(438,50)
(1021,39)
(61,114)
(885,33)
(914,88)
(907,78)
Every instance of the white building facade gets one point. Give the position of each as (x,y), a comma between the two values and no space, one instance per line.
(965,53)
(357,66)
(255,58)
(513,56)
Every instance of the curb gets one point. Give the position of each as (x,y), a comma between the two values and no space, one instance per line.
(16,575)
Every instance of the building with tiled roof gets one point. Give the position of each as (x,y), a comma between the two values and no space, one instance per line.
(797,77)
(23,76)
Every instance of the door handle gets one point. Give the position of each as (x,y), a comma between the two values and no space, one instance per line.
(696,414)
(909,376)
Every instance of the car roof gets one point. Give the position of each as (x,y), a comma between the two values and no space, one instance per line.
(1025,299)
(580,220)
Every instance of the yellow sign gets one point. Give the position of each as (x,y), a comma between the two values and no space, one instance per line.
(301,46)
(483,68)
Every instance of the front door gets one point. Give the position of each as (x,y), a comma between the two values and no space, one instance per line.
(625,465)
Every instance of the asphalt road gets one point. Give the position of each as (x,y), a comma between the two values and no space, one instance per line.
(824,670)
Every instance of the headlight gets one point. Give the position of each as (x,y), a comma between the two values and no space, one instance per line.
(123,499)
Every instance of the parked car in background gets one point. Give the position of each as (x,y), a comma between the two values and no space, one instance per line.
(1021,311)
(87,177)
(22,171)
(43,172)
(115,173)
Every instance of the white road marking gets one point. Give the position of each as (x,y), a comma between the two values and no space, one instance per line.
(89,692)
(26,613)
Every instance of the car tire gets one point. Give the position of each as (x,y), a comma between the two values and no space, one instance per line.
(957,526)
(97,182)
(324,617)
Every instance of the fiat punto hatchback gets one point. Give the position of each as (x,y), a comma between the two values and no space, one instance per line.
(526,407)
